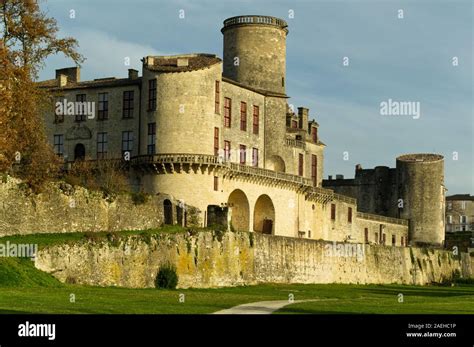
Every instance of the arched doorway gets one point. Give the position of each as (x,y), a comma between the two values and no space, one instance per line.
(276,163)
(264,215)
(79,152)
(168,212)
(239,210)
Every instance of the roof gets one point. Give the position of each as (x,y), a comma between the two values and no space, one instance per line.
(255,20)
(196,61)
(460,197)
(98,83)
(420,157)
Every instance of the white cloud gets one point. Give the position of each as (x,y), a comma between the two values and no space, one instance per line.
(105,55)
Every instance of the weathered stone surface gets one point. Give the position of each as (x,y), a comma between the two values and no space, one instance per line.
(209,259)
(62,208)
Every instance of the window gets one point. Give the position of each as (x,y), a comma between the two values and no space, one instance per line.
(383,239)
(333,211)
(152,95)
(402,240)
(59,145)
(81,110)
(216,183)
(101,145)
(58,115)
(216,141)
(294,124)
(349,214)
(463,219)
(450,205)
(227,112)
(314,169)
(127,104)
(300,164)
(463,205)
(243,154)
(376,237)
(103,106)
(151,138)
(256,112)
(394,239)
(255,157)
(127,141)
(314,134)
(226,150)
(449,219)
(366,235)
(243,116)
(217,106)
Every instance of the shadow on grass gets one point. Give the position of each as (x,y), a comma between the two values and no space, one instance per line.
(14,312)
(441,292)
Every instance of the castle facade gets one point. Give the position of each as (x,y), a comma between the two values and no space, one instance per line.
(219,135)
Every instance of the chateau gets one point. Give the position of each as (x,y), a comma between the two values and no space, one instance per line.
(219,135)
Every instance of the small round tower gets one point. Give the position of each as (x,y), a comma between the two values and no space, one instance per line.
(420,180)
(255,52)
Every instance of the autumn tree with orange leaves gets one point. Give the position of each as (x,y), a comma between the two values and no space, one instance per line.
(27,38)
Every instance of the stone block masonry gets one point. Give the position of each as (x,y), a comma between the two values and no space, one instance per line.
(62,208)
(212,259)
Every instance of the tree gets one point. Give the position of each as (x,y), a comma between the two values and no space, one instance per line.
(28,37)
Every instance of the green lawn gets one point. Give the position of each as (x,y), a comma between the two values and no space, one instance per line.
(24,289)
(334,299)
(48,239)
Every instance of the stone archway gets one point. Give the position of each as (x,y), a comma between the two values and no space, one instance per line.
(239,210)
(264,215)
(276,163)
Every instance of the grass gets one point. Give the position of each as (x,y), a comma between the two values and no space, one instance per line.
(383,299)
(48,239)
(25,289)
(335,298)
(20,272)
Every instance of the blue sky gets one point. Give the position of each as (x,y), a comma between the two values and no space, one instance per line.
(407,59)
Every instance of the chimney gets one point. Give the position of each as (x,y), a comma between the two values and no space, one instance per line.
(330,177)
(73,74)
(62,80)
(303,118)
(132,74)
(150,61)
(339,177)
(358,167)
(182,62)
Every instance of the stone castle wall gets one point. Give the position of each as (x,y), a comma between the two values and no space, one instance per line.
(208,259)
(63,210)
(60,208)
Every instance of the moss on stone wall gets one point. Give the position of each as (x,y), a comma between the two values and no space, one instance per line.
(204,260)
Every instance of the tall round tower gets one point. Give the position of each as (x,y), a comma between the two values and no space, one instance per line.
(255,52)
(420,180)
